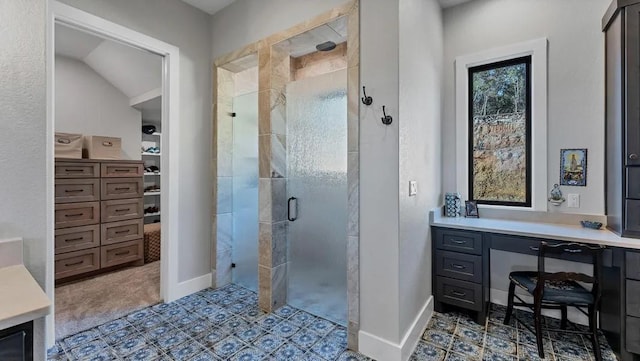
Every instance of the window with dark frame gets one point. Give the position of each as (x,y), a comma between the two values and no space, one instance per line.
(500,133)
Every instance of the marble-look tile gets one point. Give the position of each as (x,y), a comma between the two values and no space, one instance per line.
(224,194)
(353,184)
(264,68)
(264,112)
(279,243)
(278,156)
(224,231)
(353,109)
(265,200)
(278,108)
(245,81)
(265,235)
(279,200)
(223,267)
(353,35)
(264,156)
(264,288)
(247,50)
(352,335)
(224,140)
(279,286)
(280,68)
(353,278)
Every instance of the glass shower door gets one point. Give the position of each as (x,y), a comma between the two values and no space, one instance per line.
(317,177)
(245,191)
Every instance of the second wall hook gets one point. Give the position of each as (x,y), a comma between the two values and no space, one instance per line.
(387,119)
(366,100)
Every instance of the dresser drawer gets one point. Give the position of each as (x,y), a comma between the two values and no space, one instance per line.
(458,241)
(121,170)
(633,298)
(77,238)
(116,232)
(121,188)
(632,215)
(77,214)
(460,266)
(459,293)
(121,210)
(75,263)
(633,182)
(77,170)
(633,334)
(632,261)
(77,190)
(120,253)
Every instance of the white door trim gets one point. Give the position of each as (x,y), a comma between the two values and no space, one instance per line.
(70,16)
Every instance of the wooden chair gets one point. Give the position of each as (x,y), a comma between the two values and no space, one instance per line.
(560,290)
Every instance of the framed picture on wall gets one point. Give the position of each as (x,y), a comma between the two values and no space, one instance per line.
(573,167)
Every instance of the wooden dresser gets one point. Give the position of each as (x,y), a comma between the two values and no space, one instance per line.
(98,215)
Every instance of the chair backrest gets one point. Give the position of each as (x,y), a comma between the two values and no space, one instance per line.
(595,251)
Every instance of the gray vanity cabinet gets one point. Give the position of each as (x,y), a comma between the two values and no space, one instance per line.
(621,25)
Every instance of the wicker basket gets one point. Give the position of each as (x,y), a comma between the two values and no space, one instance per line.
(151,242)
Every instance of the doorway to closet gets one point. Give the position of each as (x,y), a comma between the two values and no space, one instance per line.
(108,111)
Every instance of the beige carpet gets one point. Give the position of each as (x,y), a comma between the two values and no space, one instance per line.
(89,303)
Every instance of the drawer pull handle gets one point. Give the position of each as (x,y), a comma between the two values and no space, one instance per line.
(568,250)
(123,188)
(74,170)
(459,294)
(458,266)
(73,264)
(75,239)
(121,232)
(73,215)
(457,241)
(534,248)
(122,210)
(122,253)
(121,170)
(73,190)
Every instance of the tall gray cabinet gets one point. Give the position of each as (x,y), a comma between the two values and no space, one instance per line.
(621,25)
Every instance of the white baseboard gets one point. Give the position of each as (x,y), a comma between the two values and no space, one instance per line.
(501,297)
(381,349)
(193,285)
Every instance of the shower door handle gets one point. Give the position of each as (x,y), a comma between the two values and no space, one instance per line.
(293,200)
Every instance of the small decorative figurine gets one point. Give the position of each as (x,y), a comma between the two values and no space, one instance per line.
(556,195)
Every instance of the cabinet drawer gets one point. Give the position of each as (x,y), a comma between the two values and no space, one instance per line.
(75,263)
(633,334)
(633,298)
(121,188)
(459,241)
(120,253)
(77,190)
(77,238)
(632,219)
(77,170)
(632,261)
(121,170)
(121,210)
(116,232)
(633,182)
(459,293)
(77,214)
(460,266)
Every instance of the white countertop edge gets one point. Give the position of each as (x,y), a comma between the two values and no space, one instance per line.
(25,317)
(562,232)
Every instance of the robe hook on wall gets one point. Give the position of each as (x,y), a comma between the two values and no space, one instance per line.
(387,119)
(366,100)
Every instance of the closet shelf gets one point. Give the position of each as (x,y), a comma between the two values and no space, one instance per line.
(152,194)
(152,173)
(152,214)
(151,154)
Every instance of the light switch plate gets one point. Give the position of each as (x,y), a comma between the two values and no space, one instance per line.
(573,200)
(413,188)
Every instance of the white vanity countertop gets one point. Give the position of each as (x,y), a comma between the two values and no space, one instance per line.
(563,232)
(21,298)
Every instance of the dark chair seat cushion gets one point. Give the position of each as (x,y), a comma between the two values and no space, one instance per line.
(567,292)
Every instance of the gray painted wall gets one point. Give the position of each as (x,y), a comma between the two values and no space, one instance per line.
(575,76)
(181,25)
(88,104)
(22,136)
(421,53)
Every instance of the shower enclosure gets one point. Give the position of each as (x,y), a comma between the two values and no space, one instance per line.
(317,185)
(245,191)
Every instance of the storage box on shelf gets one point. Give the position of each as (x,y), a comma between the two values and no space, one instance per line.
(98,215)
(99,147)
(68,145)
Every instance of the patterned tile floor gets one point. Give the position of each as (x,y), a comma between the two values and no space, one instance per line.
(226,324)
